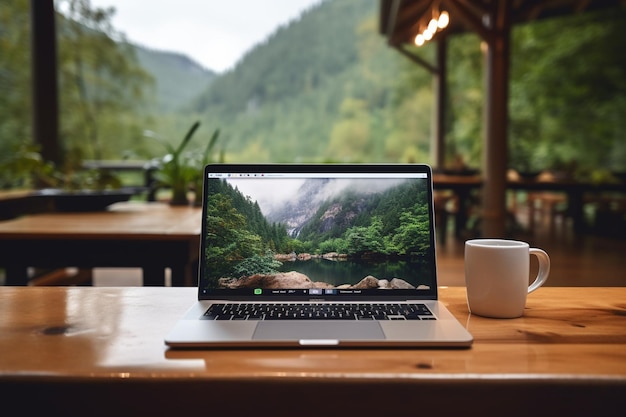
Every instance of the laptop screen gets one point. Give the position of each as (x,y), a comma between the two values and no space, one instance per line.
(317,232)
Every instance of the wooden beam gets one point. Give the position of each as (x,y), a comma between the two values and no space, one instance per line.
(418,60)
(470,18)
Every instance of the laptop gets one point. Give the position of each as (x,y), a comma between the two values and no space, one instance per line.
(318,255)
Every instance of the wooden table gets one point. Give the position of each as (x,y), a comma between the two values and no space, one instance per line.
(100,351)
(464,185)
(153,236)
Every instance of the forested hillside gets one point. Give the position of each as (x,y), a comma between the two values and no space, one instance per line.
(328,88)
(320,89)
(178,79)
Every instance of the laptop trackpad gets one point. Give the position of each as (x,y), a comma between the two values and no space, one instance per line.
(318,330)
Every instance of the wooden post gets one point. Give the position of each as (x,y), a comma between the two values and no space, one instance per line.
(44,76)
(438,145)
(495,149)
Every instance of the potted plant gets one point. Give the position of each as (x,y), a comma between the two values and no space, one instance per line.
(179,171)
(174,171)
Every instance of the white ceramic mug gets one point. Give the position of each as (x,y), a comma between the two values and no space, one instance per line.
(497,276)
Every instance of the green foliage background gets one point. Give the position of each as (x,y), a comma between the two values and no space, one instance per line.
(324,88)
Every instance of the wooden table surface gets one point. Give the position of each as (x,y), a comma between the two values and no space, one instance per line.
(133,220)
(76,347)
(147,235)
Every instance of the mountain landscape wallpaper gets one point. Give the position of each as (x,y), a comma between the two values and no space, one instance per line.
(318,233)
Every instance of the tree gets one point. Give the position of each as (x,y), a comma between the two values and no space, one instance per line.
(101,84)
(227,238)
(361,240)
(413,234)
(350,137)
(15,77)
(257,264)
(101,81)
(568,91)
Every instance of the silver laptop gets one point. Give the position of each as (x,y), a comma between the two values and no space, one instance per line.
(322,255)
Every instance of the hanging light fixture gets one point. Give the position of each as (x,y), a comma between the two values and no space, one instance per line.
(440,19)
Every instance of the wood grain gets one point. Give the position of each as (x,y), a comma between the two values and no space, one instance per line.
(100,351)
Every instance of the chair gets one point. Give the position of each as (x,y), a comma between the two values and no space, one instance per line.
(550,206)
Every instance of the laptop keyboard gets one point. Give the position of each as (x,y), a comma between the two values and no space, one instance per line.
(321,311)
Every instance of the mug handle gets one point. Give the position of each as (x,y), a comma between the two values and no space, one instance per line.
(544,268)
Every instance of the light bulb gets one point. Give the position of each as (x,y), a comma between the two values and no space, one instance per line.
(428,35)
(432,25)
(419,40)
(444,20)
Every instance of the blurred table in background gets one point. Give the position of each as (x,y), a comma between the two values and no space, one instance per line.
(576,194)
(152,236)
